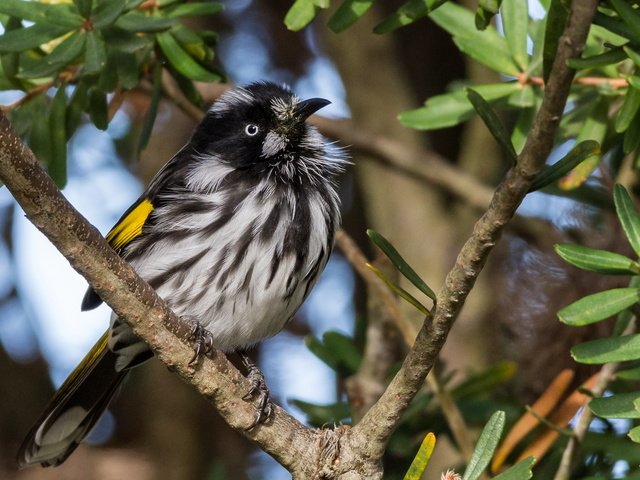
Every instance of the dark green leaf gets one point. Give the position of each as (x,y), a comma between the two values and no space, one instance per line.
(611,57)
(135,21)
(408,13)
(556,21)
(629,15)
(343,349)
(95,54)
(487,9)
(125,41)
(31,37)
(632,135)
(182,61)
(98,109)
(484,381)
(520,471)
(57,166)
(320,415)
(150,118)
(493,123)
(401,292)
(106,12)
(301,13)
(632,374)
(84,7)
(64,54)
(628,215)
(128,69)
(400,263)
(485,447)
(61,15)
(606,350)
(348,13)
(577,155)
(199,9)
(600,261)
(598,306)
(515,19)
(628,110)
(316,347)
(616,406)
(613,24)
(78,104)
(188,88)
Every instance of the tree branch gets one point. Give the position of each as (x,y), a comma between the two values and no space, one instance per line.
(378,424)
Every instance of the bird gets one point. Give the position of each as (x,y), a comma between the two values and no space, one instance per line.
(233,233)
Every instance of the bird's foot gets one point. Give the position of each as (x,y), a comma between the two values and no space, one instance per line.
(259,387)
(202,342)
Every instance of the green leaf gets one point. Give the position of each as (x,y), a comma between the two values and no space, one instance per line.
(616,406)
(319,415)
(199,9)
(127,69)
(450,109)
(98,109)
(556,21)
(192,43)
(628,215)
(578,154)
(62,15)
(316,347)
(84,7)
(632,135)
(343,349)
(606,350)
(522,127)
(613,24)
(107,12)
(57,166)
(600,261)
(347,14)
(634,434)
(95,54)
(524,97)
(485,447)
(629,109)
(301,13)
(78,104)
(420,461)
(520,471)
(487,9)
(408,13)
(182,62)
(598,306)
(400,263)
(633,55)
(632,374)
(484,381)
(487,47)
(629,15)
(138,22)
(64,54)
(515,20)
(493,123)
(611,57)
(24,39)
(398,290)
(150,118)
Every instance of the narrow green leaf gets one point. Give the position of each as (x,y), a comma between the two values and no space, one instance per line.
(64,54)
(150,118)
(628,110)
(520,471)
(606,350)
(524,97)
(188,88)
(408,13)
(493,123)
(484,381)
(24,39)
(398,290)
(485,447)
(192,43)
(610,57)
(62,15)
(400,263)
(598,306)
(78,104)
(98,109)
(199,9)
(420,461)
(182,62)
(319,415)
(613,24)
(600,261)
(135,21)
(450,109)
(348,13)
(616,406)
(57,166)
(632,135)
(343,349)
(628,215)
(95,53)
(522,128)
(84,7)
(556,21)
(515,20)
(577,155)
(487,9)
(632,374)
(629,15)
(106,12)
(633,55)
(634,434)
(487,46)
(301,13)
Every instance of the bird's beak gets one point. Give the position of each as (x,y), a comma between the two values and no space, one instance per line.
(306,108)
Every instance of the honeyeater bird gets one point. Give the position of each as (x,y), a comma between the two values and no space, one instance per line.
(232,233)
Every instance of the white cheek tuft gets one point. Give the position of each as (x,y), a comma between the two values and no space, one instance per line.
(273,144)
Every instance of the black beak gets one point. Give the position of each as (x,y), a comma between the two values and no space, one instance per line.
(306,108)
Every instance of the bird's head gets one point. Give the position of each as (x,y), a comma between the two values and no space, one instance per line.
(262,128)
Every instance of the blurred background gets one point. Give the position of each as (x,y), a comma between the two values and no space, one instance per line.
(158,427)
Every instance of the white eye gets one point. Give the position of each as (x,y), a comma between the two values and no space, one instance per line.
(251,129)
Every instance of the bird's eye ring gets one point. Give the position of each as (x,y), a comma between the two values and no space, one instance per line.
(251,129)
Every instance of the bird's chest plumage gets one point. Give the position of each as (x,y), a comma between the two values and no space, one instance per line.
(243,262)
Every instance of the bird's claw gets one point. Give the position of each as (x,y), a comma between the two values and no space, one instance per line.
(202,342)
(259,387)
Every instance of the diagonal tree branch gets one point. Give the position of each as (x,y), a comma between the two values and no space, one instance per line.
(378,424)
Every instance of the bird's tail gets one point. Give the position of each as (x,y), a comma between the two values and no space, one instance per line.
(74,409)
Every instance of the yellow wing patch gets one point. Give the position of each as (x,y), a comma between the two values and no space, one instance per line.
(129,226)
